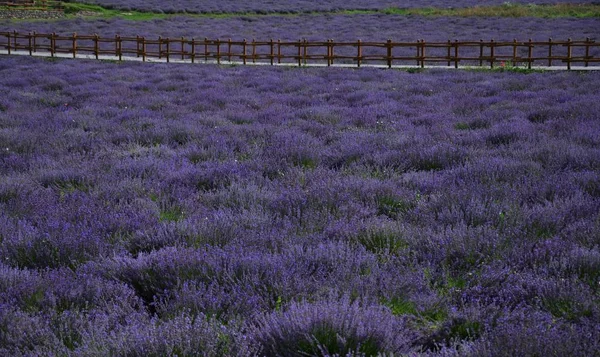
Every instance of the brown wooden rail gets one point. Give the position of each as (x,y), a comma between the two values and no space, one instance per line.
(418,53)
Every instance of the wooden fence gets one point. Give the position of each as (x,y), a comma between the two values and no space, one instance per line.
(389,53)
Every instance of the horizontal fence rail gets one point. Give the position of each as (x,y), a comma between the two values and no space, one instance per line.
(522,54)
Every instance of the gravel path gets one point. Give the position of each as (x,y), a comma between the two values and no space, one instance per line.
(31,14)
(265,63)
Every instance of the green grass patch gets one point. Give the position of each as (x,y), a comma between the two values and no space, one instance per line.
(506,68)
(462,126)
(446,283)
(72,9)
(393,207)
(400,306)
(380,241)
(435,316)
(472,125)
(172,214)
(465,330)
(506,10)
(308,163)
(456,283)
(326,340)
(32,302)
(566,309)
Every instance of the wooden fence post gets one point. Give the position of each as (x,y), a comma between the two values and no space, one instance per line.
(422,53)
(550,52)
(168,42)
(492,54)
(120,47)
(455,53)
(279,51)
(569,53)
(359,56)
(272,47)
(332,50)
(159,47)
(529,54)
(418,52)
(30,49)
(305,52)
(193,50)
(74,44)
(218,42)
(34,41)
(16,35)
(253,51)
(143,49)
(9,43)
(514,59)
(52,44)
(389,53)
(182,48)
(244,45)
(299,53)
(96,39)
(116,45)
(328,56)
(480,52)
(229,50)
(205,49)
(137,46)
(587,51)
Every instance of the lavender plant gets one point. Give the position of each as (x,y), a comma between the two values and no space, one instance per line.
(261,6)
(153,209)
(368,27)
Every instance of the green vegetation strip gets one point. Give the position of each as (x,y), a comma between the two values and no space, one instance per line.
(73,9)
(508,10)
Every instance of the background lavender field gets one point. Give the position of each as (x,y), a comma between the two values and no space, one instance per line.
(172,209)
(263,6)
(321,27)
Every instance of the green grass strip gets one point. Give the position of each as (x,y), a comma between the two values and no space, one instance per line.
(507,10)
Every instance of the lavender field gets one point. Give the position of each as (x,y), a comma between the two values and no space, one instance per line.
(265,6)
(150,210)
(373,27)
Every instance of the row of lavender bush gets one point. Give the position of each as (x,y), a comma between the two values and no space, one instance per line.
(322,27)
(296,6)
(190,210)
